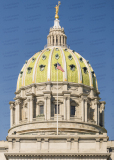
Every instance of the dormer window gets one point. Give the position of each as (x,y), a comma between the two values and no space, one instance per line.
(73,51)
(21,74)
(33,59)
(57,49)
(72,67)
(87,62)
(81,60)
(92,73)
(85,69)
(57,56)
(29,69)
(48,49)
(55,66)
(26,62)
(43,57)
(70,57)
(42,67)
(65,49)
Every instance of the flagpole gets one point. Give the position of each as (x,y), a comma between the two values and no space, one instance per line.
(57,101)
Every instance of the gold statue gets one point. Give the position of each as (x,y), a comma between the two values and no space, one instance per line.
(57,10)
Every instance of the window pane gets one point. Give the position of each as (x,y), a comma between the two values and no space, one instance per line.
(56,109)
(72,110)
(41,109)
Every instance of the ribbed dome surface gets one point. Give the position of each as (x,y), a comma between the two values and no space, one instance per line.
(41,67)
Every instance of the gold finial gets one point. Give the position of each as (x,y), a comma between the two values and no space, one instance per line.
(57,10)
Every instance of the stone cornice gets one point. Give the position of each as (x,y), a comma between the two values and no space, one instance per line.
(47,92)
(66,92)
(11,102)
(106,155)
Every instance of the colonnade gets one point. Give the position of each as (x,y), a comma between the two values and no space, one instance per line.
(16,116)
(56,40)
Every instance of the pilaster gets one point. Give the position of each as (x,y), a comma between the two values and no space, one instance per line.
(11,113)
(68,107)
(17,111)
(97,144)
(68,144)
(96,111)
(38,144)
(46,143)
(85,110)
(65,108)
(47,94)
(76,145)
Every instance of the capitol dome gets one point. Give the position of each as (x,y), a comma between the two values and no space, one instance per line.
(47,97)
(41,67)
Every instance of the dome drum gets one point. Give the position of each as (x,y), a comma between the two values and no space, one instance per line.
(35,105)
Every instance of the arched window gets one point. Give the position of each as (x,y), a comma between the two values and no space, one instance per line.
(72,111)
(56,109)
(41,109)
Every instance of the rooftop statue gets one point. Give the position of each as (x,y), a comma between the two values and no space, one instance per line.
(57,10)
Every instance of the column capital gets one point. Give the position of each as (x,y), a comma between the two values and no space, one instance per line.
(46,139)
(17,139)
(68,139)
(97,139)
(18,101)
(38,139)
(85,99)
(30,99)
(76,139)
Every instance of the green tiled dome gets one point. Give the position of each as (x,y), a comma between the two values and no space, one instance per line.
(41,67)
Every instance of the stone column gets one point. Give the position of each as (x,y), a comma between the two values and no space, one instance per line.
(85,110)
(17,111)
(102,107)
(30,109)
(45,108)
(11,113)
(98,114)
(54,40)
(65,107)
(47,94)
(58,40)
(68,108)
(51,40)
(96,111)
(37,109)
(48,107)
(62,40)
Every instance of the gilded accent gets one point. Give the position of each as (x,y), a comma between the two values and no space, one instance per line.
(57,10)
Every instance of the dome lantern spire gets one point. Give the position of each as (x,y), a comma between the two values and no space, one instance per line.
(57,10)
(57,35)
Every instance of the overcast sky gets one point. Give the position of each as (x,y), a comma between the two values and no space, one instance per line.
(24,26)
